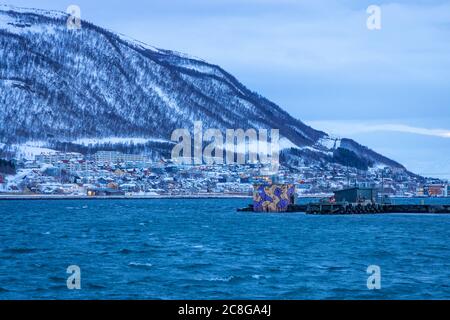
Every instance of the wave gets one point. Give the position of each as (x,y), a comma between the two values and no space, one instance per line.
(220,279)
(94,286)
(57,279)
(144,265)
(126,251)
(19,250)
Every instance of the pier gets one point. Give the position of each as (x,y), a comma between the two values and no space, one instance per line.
(371,208)
(350,208)
(347,201)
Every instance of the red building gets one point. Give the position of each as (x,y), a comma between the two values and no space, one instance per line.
(435,190)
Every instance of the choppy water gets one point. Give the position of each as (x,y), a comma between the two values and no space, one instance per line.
(204,249)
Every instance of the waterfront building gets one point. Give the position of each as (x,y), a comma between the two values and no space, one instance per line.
(92,192)
(420,192)
(435,190)
(355,195)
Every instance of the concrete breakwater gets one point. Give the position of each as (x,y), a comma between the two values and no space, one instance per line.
(353,200)
(373,208)
(370,208)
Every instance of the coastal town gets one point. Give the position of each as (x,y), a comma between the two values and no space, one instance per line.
(112,173)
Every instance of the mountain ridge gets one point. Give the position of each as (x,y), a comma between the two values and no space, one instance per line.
(61,85)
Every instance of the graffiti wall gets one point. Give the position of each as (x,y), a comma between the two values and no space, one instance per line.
(273,198)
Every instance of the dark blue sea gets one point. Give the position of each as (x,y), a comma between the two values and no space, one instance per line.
(204,249)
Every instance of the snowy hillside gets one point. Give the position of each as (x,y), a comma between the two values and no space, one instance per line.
(68,88)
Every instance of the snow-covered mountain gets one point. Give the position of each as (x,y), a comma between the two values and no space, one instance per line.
(65,88)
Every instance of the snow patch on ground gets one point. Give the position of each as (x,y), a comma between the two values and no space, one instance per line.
(316,150)
(167,99)
(138,43)
(200,68)
(51,14)
(286,144)
(377,166)
(17,26)
(31,149)
(330,142)
(14,180)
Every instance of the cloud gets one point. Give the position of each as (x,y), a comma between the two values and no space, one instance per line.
(348,128)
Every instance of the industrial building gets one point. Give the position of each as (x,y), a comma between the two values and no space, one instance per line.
(355,195)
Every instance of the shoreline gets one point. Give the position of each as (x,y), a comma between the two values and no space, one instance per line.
(137,197)
(11,197)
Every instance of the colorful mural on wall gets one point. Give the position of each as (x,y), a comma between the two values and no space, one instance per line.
(273,198)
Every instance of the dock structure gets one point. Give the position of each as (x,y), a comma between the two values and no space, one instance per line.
(351,208)
(344,208)
(354,201)
(373,208)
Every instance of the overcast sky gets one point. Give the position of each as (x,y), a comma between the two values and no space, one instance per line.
(388,88)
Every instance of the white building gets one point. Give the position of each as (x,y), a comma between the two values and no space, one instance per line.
(117,157)
(58,156)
